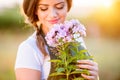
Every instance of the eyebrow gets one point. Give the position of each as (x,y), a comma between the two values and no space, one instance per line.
(48,5)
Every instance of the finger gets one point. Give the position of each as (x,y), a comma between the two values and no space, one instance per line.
(93,73)
(89,62)
(89,67)
(88,77)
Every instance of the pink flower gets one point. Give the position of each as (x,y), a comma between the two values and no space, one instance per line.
(62,33)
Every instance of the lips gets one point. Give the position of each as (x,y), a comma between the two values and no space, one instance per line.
(53,21)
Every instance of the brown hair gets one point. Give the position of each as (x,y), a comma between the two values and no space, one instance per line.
(29,9)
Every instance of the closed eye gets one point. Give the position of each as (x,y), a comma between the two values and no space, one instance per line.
(43,9)
(60,6)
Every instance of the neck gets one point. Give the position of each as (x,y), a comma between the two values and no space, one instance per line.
(44,29)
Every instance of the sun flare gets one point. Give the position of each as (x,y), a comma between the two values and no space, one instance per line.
(93,3)
(107,3)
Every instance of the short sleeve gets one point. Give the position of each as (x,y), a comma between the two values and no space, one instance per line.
(28,58)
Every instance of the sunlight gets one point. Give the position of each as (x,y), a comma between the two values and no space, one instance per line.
(80,3)
(93,3)
(107,3)
(85,3)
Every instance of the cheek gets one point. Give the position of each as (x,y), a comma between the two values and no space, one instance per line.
(63,15)
(41,16)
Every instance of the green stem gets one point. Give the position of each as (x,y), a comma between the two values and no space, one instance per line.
(67,76)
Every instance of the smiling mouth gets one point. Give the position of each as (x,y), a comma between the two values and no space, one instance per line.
(54,21)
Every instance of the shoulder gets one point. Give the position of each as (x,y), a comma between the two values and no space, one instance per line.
(29,45)
(28,55)
(30,41)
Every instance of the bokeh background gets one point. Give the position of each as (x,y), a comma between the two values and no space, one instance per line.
(100,17)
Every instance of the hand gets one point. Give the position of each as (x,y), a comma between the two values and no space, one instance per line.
(91,66)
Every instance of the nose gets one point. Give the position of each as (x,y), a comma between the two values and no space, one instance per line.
(53,13)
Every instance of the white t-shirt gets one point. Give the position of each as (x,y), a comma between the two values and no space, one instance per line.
(29,56)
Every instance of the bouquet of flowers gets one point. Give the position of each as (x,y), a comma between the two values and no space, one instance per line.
(66,38)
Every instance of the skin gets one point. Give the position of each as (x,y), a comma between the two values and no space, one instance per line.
(50,12)
(27,74)
(91,66)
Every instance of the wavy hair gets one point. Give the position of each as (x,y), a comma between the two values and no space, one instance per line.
(29,9)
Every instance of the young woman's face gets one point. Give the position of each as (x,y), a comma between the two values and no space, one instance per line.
(51,12)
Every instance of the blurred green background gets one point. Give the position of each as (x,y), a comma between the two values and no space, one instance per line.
(103,37)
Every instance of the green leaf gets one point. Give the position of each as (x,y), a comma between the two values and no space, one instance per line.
(57,74)
(82,51)
(66,62)
(85,71)
(76,72)
(71,59)
(80,78)
(81,71)
(73,51)
(59,70)
(71,68)
(55,60)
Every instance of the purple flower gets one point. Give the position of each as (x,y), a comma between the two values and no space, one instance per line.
(69,31)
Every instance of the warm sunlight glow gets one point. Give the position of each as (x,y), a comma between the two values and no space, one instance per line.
(80,3)
(107,3)
(93,3)
(85,3)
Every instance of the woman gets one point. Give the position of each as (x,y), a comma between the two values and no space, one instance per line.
(33,55)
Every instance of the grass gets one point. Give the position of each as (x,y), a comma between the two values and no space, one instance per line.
(105,51)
